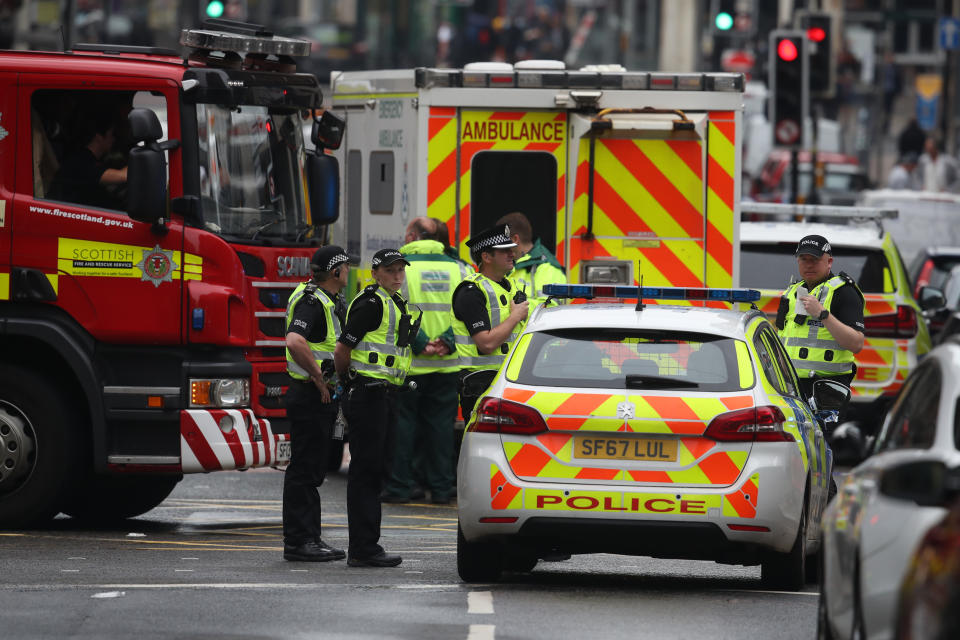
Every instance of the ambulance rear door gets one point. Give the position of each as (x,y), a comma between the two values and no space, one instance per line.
(653,195)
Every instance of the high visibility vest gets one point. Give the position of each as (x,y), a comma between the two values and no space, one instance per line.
(378,355)
(811,347)
(429,284)
(538,275)
(496,300)
(321,350)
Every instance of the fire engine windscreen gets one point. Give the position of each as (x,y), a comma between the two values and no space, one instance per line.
(252,172)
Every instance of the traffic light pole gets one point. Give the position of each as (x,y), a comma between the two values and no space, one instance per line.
(794,175)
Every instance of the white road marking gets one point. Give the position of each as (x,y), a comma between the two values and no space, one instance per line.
(298,570)
(189,558)
(136,535)
(183,570)
(69,570)
(481,632)
(76,558)
(779,593)
(413,571)
(480,602)
(109,594)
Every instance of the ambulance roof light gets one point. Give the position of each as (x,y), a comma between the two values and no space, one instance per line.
(540,65)
(491,74)
(590,291)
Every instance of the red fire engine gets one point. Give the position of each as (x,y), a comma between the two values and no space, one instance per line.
(155,215)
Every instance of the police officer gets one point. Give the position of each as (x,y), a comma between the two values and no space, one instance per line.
(426,414)
(534,264)
(313,325)
(374,347)
(820,318)
(489,309)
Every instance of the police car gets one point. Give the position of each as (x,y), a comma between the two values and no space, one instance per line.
(665,430)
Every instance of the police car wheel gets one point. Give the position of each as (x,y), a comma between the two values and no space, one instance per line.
(105,498)
(478,561)
(520,561)
(787,571)
(40,452)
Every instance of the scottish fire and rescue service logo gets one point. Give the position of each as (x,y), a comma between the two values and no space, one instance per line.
(157,265)
(626,410)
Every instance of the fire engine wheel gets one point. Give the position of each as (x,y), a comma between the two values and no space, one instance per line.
(788,571)
(478,561)
(106,498)
(39,456)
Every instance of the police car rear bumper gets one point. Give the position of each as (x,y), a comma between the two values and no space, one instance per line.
(698,522)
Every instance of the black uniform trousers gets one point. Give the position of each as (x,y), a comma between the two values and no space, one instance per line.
(370,413)
(311,426)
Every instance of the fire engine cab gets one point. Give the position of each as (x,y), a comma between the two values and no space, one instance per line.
(614,169)
(155,215)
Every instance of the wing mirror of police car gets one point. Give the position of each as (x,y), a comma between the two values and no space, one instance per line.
(147,167)
(929,483)
(931,299)
(830,395)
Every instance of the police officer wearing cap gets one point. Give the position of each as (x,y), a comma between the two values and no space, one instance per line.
(373,356)
(313,324)
(489,309)
(820,318)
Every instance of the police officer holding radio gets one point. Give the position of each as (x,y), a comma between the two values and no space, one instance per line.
(489,308)
(373,357)
(820,318)
(313,324)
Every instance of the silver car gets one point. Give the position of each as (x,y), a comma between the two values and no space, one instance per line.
(669,431)
(868,537)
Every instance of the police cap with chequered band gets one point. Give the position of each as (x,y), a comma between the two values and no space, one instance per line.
(496,237)
(386,257)
(327,258)
(814,245)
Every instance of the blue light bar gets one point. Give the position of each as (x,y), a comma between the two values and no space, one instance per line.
(590,291)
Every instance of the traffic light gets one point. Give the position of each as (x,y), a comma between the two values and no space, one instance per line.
(789,78)
(214,8)
(733,17)
(823,69)
(723,14)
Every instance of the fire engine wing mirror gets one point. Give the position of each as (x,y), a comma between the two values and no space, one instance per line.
(147,169)
(323,180)
(327,132)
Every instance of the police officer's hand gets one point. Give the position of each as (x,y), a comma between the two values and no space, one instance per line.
(322,387)
(812,305)
(518,310)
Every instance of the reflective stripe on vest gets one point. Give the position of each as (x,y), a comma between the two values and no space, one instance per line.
(810,344)
(321,350)
(391,362)
(470,357)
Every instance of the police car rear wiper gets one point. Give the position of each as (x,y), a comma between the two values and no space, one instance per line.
(636,380)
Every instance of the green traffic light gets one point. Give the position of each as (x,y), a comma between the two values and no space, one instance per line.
(724,21)
(215,9)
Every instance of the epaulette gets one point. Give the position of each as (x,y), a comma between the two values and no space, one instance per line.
(308,292)
(370,288)
(846,278)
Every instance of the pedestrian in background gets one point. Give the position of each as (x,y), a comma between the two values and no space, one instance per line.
(427,412)
(313,324)
(938,171)
(903,175)
(912,139)
(372,355)
(534,264)
(489,311)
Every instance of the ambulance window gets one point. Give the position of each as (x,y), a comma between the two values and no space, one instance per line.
(381,182)
(354,204)
(503,182)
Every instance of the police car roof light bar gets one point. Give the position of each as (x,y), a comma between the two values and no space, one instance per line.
(819,210)
(591,291)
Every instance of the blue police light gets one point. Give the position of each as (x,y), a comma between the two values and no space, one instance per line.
(590,291)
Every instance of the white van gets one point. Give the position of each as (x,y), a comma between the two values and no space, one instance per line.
(926,218)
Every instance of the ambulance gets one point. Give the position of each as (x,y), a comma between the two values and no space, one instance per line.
(624,175)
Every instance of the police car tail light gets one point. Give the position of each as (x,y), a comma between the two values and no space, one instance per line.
(756,424)
(902,324)
(503,416)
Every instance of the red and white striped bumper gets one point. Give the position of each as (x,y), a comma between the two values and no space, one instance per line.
(224,439)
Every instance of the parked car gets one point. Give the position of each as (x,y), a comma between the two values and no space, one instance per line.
(869,536)
(931,266)
(930,595)
(895,335)
(941,306)
(843,178)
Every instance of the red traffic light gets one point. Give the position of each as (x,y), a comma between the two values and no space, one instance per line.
(816,34)
(787,50)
